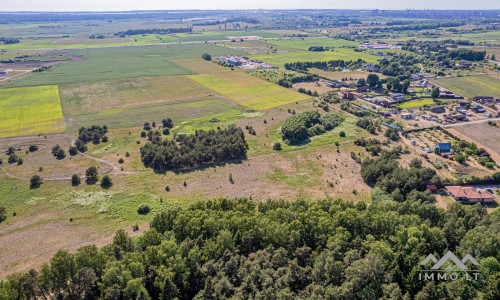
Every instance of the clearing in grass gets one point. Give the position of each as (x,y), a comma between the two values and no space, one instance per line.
(30,110)
(247,90)
(417,103)
(94,96)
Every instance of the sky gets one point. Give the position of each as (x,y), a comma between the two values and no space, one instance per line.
(123,5)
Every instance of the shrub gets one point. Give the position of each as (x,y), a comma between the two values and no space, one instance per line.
(342,134)
(277,146)
(167,188)
(127,154)
(60,154)
(206,56)
(120,160)
(33,148)
(91,174)
(20,161)
(106,181)
(143,209)
(75,180)
(72,151)
(35,181)
(13,158)
(166,131)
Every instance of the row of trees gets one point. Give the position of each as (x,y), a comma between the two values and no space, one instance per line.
(323,65)
(202,147)
(299,127)
(322,249)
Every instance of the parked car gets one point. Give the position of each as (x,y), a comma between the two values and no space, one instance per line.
(491,191)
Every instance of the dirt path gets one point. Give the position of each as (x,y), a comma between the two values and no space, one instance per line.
(471,122)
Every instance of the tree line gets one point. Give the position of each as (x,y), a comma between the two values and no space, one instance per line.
(191,150)
(278,249)
(154,31)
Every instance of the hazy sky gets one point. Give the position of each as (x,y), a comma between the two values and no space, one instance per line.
(100,5)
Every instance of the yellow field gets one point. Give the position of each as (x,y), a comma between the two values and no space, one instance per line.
(247,90)
(30,110)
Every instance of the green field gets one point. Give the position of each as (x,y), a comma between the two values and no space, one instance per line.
(30,110)
(345,54)
(418,103)
(471,86)
(107,94)
(304,44)
(193,113)
(247,90)
(122,62)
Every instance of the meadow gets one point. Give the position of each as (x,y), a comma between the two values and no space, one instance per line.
(247,90)
(122,62)
(191,112)
(30,110)
(417,103)
(305,43)
(107,94)
(471,86)
(345,54)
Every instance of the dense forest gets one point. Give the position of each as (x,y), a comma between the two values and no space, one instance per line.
(191,150)
(298,128)
(244,249)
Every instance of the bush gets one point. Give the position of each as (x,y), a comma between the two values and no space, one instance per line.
(91,174)
(490,165)
(33,148)
(166,131)
(206,56)
(75,180)
(72,151)
(143,209)
(20,161)
(459,158)
(277,146)
(60,154)
(120,160)
(106,181)
(167,188)
(342,134)
(35,181)
(13,158)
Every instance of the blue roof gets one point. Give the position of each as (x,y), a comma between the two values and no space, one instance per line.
(444,146)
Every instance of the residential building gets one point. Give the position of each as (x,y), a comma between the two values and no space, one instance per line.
(469,194)
(397,96)
(348,96)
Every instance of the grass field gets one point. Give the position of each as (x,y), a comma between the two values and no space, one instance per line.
(418,103)
(247,90)
(340,75)
(122,62)
(345,54)
(31,110)
(192,111)
(471,86)
(86,97)
(304,44)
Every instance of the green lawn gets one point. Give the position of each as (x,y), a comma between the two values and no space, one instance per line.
(418,103)
(279,59)
(192,113)
(247,90)
(471,86)
(122,62)
(30,110)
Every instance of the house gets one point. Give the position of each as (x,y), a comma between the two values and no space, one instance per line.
(407,116)
(397,96)
(431,187)
(385,113)
(469,194)
(462,104)
(460,117)
(478,109)
(371,68)
(444,147)
(466,63)
(438,109)
(363,89)
(348,96)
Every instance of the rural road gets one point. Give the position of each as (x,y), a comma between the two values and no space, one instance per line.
(472,122)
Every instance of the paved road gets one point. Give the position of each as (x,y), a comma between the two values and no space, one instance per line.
(471,122)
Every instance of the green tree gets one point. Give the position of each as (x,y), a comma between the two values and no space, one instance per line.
(35,181)
(106,182)
(372,80)
(75,180)
(435,92)
(91,175)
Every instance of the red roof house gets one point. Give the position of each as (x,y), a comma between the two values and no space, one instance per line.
(469,194)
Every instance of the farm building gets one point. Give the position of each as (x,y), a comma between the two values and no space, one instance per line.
(407,116)
(478,109)
(438,109)
(483,99)
(469,194)
(444,147)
